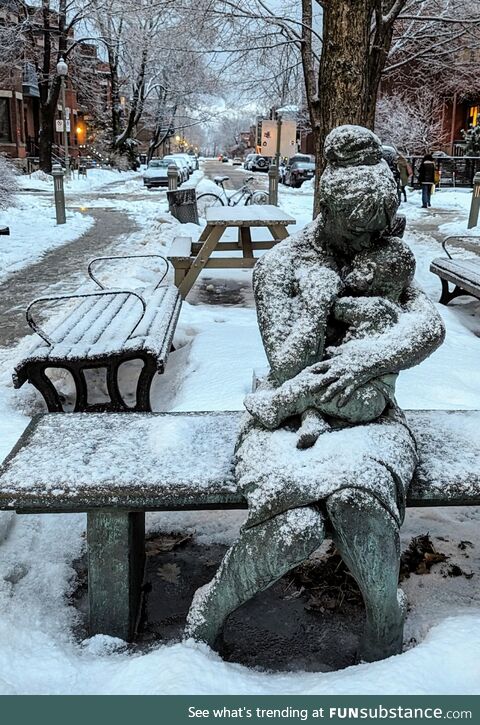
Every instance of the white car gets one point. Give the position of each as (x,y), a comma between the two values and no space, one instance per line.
(190,161)
(180,161)
(156,173)
(248,158)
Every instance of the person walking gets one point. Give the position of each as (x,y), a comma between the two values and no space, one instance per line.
(426,177)
(405,172)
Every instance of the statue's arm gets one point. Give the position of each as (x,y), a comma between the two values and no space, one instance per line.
(293,303)
(418,332)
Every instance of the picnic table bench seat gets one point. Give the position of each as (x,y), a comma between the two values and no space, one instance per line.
(180,256)
(462,272)
(104,329)
(117,466)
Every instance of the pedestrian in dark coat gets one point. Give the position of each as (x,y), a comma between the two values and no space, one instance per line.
(426,177)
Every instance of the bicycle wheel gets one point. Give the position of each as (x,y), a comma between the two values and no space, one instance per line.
(259,197)
(205,201)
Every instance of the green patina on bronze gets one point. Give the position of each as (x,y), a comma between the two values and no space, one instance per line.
(339,317)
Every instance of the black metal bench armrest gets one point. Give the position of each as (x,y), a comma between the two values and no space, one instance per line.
(36,328)
(457,236)
(126,256)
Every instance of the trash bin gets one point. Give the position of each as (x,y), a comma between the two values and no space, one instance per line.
(182,203)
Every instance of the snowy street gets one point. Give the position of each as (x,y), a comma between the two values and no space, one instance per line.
(43,645)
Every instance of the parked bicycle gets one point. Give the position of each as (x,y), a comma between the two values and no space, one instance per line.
(244,195)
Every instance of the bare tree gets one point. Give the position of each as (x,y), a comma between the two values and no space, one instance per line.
(411,122)
(346,47)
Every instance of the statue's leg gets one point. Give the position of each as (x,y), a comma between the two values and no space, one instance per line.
(367,538)
(262,555)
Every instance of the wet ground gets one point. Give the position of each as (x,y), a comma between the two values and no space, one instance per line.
(290,626)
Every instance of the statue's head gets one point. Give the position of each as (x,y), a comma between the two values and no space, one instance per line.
(385,271)
(358,194)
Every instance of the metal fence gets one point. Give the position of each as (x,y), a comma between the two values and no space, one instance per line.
(454,170)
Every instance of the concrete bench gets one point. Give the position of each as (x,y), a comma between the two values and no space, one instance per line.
(117,466)
(463,273)
(180,256)
(103,329)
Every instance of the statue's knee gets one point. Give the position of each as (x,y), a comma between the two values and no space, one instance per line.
(349,504)
(351,498)
(300,529)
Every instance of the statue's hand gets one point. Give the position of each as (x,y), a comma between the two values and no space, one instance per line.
(375,313)
(340,376)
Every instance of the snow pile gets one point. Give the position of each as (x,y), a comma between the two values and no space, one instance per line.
(95,179)
(8,184)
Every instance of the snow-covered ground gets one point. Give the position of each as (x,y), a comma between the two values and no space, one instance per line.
(33,231)
(95,179)
(38,650)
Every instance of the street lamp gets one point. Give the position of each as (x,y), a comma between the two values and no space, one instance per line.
(62,70)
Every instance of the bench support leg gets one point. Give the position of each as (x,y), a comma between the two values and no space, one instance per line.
(448,296)
(38,378)
(116,561)
(144,384)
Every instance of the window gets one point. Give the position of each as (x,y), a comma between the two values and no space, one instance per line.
(5,129)
(473,115)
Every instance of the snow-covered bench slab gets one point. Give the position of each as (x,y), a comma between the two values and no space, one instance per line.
(117,466)
(463,273)
(105,329)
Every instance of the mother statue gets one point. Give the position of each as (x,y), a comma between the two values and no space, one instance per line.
(340,460)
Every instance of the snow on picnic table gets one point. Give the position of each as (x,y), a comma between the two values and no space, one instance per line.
(217,350)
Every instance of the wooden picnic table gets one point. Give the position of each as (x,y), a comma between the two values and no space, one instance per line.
(191,258)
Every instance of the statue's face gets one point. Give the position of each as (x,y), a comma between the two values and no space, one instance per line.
(358,205)
(351,233)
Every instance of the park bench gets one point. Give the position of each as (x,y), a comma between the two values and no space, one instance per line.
(105,329)
(463,273)
(117,466)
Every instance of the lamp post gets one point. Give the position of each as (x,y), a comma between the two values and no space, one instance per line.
(62,70)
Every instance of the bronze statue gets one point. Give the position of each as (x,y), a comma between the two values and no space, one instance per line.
(324,444)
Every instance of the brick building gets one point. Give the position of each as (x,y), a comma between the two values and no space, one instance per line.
(20,97)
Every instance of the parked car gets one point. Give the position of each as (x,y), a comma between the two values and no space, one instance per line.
(225,159)
(156,173)
(237,161)
(189,159)
(182,164)
(248,158)
(258,162)
(298,172)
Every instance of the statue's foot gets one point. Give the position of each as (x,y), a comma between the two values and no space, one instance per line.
(201,624)
(313,425)
(261,405)
(377,645)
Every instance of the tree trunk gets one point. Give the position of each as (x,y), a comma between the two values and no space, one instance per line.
(344,71)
